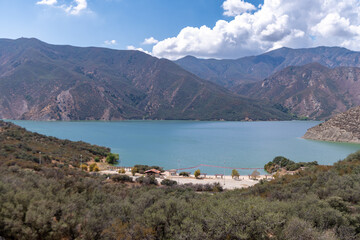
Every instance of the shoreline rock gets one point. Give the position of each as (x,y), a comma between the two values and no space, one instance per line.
(344,127)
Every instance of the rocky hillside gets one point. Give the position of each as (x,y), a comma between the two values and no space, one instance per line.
(231,73)
(21,147)
(40,81)
(344,127)
(312,90)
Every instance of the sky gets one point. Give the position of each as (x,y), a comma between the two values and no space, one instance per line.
(175,28)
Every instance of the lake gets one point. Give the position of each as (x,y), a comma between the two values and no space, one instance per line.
(181,144)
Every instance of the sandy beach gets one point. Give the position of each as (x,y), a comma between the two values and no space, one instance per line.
(226,182)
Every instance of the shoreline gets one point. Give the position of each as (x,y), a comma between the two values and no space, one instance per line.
(227,182)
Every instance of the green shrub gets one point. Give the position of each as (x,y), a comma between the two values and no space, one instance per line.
(121,178)
(147,180)
(184,174)
(197,173)
(168,182)
(92,167)
(112,158)
(234,173)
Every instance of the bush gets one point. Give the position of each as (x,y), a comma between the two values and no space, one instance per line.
(197,173)
(147,180)
(234,173)
(84,167)
(96,169)
(97,159)
(134,170)
(184,174)
(168,182)
(122,171)
(112,158)
(121,178)
(92,167)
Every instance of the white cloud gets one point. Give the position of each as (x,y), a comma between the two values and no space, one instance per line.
(137,49)
(47,2)
(150,41)
(236,7)
(110,42)
(276,23)
(76,7)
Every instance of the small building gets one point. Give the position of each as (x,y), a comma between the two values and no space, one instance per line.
(153,172)
(172,172)
(219,175)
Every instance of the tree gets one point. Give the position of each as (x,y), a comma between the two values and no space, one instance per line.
(134,170)
(112,158)
(235,173)
(92,167)
(122,171)
(84,167)
(197,173)
(97,159)
(255,174)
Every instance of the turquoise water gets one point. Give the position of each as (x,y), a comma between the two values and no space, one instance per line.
(180,144)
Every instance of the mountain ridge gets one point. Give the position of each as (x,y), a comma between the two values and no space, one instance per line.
(312,90)
(40,81)
(233,72)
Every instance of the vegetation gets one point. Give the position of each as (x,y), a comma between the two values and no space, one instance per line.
(56,201)
(184,174)
(281,162)
(121,178)
(235,173)
(168,182)
(142,168)
(197,173)
(122,171)
(112,158)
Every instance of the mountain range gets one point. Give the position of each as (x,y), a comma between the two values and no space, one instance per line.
(40,81)
(312,90)
(232,72)
(315,83)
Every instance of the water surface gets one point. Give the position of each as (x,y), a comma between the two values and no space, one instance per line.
(180,144)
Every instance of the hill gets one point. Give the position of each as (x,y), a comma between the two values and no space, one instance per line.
(312,90)
(54,201)
(344,127)
(19,146)
(39,81)
(231,73)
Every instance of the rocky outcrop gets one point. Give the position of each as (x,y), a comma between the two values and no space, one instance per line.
(344,127)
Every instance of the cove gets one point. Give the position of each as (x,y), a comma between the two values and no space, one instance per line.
(182,144)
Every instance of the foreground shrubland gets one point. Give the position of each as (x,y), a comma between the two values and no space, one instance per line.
(53,201)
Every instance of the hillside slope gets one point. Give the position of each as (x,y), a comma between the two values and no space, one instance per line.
(40,81)
(344,127)
(311,90)
(233,72)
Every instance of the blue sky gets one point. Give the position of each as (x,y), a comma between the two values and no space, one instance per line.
(203,28)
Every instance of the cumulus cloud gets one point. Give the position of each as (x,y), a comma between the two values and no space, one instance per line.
(47,2)
(236,7)
(73,8)
(137,49)
(110,42)
(76,7)
(150,41)
(274,24)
